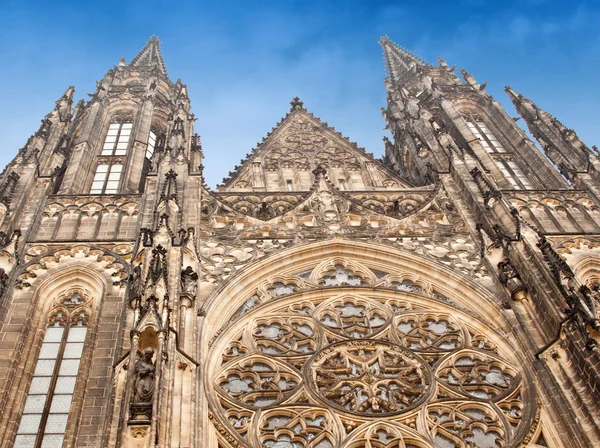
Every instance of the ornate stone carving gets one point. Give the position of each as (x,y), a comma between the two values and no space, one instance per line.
(510,278)
(358,357)
(3,281)
(469,425)
(144,369)
(369,377)
(189,281)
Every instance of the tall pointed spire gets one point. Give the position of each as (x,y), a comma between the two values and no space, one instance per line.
(561,144)
(150,55)
(398,60)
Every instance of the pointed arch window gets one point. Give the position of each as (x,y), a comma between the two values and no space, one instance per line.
(513,174)
(488,140)
(107,177)
(46,412)
(117,139)
(110,166)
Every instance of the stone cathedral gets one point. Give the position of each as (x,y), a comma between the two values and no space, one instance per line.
(447,295)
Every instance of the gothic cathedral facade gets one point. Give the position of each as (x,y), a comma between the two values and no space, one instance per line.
(447,295)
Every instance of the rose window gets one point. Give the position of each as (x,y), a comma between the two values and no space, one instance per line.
(369,377)
(376,368)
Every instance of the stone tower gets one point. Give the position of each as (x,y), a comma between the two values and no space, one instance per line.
(447,296)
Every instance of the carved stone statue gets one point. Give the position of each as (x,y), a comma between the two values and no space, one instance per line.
(143,389)
(189,281)
(3,281)
(510,278)
(136,281)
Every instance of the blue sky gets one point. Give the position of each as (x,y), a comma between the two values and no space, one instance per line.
(243,61)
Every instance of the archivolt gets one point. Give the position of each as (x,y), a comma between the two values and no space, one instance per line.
(447,283)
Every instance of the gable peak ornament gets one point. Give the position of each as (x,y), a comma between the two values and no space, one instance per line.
(296,103)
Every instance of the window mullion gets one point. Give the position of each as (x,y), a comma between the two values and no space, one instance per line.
(512,173)
(105,181)
(52,387)
(117,141)
(112,161)
(486,137)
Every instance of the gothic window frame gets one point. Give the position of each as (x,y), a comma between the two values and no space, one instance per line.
(284,332)
(486,137)
(121,130)
(100,183)
(58,369)
(115,149)
(513,174)
(151,146)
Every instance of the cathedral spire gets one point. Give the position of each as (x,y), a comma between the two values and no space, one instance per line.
(150,56)
(561,144)
(398,60)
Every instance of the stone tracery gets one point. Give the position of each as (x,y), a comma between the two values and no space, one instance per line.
(319,371)
(369,377)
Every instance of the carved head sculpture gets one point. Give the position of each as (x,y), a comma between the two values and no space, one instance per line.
(148,353)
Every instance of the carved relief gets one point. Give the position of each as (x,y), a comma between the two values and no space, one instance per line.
(369,377)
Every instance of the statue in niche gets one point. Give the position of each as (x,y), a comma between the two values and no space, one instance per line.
(264,212)
(143,389)
(189,281)
(136,281)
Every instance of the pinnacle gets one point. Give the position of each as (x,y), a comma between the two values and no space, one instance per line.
(518,100)
(150,56)
(296,104)
(68,95)
(398,60)
(512,94)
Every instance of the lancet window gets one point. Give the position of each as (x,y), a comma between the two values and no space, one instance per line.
(107,177)
(117,139)
(110,164)
(480,130)
(514,175)
(46,412)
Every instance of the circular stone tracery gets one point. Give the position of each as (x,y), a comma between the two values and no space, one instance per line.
(369,377)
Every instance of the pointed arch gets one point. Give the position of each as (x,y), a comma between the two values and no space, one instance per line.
(296,341)
(56,357)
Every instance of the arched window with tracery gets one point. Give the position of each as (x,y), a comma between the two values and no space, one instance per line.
(505,160)
(109,168)
(46,412)
(346,364)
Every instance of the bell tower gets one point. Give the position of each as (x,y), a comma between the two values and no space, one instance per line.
(433,115)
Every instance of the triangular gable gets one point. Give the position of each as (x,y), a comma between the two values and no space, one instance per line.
(300,143)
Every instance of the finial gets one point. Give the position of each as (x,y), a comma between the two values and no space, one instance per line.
(384,39)
(296,103)
(122,62)
(319,172)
